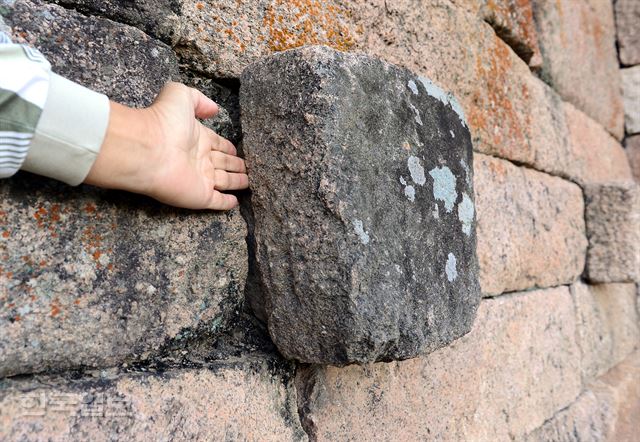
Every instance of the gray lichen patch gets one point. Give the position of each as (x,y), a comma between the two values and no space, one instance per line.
(466,213)
(416,170)
(451,267)
(355,255)
(444,186)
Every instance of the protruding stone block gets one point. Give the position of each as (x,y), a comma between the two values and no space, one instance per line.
(362,182)
(612,216)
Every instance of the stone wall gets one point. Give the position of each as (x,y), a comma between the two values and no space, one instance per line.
(124,319)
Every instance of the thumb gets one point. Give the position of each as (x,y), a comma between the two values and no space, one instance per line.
(203,106)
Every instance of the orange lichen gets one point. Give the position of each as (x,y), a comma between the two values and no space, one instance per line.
(199,6)
(6,234)
(294,23)
(55,310)
(90,208)
(493,104)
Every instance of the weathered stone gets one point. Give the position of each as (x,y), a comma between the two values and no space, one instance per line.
(530,227)
(607,411)
(110,58)
(607,323)
(631,94)
(586,420)
(593,156)
(158,18)
(363,201)
(221,37)
(612,216)
(627,19)
(577,42)
(632,147)
(225,402)
(92,277)
(513,22)
(517,367)
(511,113)
(116,60)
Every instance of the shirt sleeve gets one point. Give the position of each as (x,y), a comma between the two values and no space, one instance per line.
(48,125)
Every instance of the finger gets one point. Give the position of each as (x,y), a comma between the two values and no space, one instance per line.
(222,201)
(219,143)
(230,163)
(230,181)
(203,106)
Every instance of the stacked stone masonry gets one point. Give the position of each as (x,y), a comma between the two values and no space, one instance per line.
(124,319)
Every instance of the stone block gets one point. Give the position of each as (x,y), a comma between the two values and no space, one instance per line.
(91,277)
(363,202)
(513,22)
(531,230)
(631,95)
(225,402)
(612,214)
(577,42)
(95,278)
(607,411)
(107,57)
(607,324)
(511,113)
(517,367)
(632,148)
(221,37)
(587,419)
(158,18)
(627,19)
(593,156)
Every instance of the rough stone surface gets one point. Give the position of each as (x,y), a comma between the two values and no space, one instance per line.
(363,200)
(607,411)
(221,37)
(593,156)
(584,70)
(248,402)
(511,113)
(116,60)
(627,19)
(612,214)
(530,227)
(112,59)
(517,367)
(158,18)
(631,94)
(607,323)
(92,277)
(632,149)
(513,22)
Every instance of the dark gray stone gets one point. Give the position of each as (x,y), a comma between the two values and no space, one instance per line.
(117,60)
(157,18)
(363,199)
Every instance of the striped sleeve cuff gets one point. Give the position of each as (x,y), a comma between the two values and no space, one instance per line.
(70,132)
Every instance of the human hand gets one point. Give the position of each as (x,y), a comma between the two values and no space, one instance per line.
(164,152)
